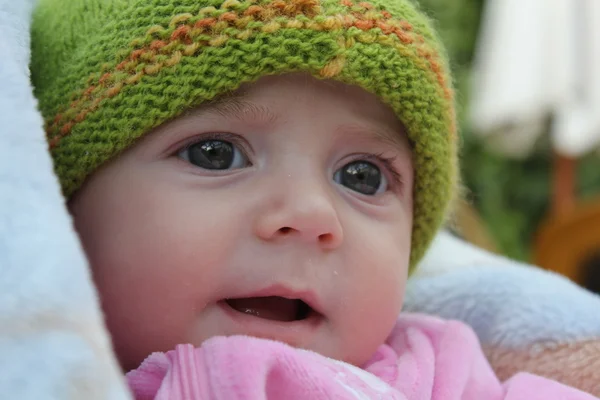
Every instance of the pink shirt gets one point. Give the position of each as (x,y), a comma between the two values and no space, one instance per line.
(424,358)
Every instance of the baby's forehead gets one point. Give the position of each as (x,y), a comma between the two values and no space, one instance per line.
(271,97)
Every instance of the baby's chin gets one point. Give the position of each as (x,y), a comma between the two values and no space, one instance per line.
(269,319)
(311,331)
(315,332)
(294,325)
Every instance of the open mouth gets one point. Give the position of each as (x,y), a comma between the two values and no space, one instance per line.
(273,308)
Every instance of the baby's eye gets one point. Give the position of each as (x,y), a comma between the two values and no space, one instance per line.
(215,155)
(362,176)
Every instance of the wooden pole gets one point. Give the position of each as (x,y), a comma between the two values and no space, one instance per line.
(564,185)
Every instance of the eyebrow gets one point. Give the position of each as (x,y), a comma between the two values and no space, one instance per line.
(236,106)
(384,135)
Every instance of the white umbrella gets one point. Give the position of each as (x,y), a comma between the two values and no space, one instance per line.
(536,61)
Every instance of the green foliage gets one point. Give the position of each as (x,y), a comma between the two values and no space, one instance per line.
(511,196)
(457,23)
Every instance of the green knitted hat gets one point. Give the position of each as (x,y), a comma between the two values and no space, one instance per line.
(107,71)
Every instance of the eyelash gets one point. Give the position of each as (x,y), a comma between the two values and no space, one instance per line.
(227,137)
(377,159)
(387,162)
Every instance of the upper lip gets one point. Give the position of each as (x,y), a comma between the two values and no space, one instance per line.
(307,296)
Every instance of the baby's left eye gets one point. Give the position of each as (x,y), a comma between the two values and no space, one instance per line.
(363,177)
(214,155)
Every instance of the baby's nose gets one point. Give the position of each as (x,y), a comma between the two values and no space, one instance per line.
(305,211)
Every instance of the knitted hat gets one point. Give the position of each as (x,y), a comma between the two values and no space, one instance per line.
(107,71)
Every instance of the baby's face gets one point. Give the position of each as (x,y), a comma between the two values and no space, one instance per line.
(281,212)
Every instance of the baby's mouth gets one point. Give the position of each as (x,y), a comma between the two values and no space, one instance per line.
(273,308)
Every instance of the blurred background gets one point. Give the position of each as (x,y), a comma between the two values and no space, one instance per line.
(529,106)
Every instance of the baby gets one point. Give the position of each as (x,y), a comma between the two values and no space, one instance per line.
(253,182)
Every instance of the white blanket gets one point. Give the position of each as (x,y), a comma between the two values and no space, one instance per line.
(52,341)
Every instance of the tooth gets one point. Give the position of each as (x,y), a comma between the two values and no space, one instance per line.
(251,311)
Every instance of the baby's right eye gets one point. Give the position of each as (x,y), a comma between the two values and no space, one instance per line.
(214,154)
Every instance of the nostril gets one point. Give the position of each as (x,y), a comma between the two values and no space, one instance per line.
(326,238)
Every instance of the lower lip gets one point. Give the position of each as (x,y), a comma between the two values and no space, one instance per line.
(293,333)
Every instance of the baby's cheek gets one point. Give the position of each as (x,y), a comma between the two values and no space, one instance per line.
(374,309)
(148,307)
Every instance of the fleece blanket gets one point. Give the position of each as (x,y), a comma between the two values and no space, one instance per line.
(53,343)
(423,358)
(526,318)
